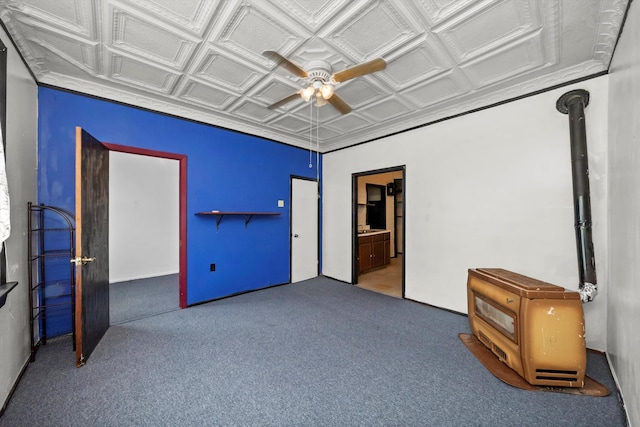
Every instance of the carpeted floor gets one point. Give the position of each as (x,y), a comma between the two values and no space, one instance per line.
(314,353)
(136,299)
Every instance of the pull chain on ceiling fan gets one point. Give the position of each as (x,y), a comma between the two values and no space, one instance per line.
(320,80)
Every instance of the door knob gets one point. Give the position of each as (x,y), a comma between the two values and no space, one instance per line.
(82,261)
(295,235)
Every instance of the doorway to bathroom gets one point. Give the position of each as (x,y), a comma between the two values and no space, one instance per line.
(378,232)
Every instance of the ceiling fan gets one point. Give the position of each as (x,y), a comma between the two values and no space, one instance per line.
(320,81)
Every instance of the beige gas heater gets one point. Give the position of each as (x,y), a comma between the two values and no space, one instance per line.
(535,328)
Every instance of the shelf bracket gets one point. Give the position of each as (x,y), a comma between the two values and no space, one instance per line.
(218,220)
(247,218)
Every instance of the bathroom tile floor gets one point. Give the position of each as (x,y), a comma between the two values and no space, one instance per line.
(386,280)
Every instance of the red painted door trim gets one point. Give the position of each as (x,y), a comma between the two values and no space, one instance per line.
(182,159)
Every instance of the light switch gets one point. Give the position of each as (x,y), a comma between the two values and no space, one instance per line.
(281,203)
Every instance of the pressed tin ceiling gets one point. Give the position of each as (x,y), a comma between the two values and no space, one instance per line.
(203,59)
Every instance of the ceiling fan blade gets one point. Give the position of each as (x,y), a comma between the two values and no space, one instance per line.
(283,101)
(372,66)
(285,63)
(339,104)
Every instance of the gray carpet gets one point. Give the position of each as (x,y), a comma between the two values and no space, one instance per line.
(136,299)
(315,353)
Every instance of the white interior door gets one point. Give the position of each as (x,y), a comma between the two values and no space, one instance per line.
(304,229)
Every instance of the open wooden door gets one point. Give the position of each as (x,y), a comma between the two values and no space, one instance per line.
(92,244)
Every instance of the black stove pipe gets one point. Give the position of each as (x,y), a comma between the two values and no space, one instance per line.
(573,103)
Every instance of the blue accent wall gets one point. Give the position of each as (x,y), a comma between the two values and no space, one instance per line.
(227,171)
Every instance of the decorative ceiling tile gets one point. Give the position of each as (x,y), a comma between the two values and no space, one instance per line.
(253,111)
(309,112)
(422,61)
(250,31)
(274,90)
(71,49)
(375,30)
(204,94)
(58,64)
(437,11)
(507,62)
(551,31)
(193,15)
(324,135)
(312,13)
(437,90)
(140,35)
(217,68)
(385,110)
(607,34)
(291,124)
(350,121)
(359,92)
(76,16)
(318,136)
(499,23)
(141,74)
(318,49)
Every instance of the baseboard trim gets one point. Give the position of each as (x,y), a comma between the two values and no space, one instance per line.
(618,388)
(237,294)
(120,280)
(435,306)
(337,280)
(15,384)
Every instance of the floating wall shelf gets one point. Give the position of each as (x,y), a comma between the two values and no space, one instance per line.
(247,215)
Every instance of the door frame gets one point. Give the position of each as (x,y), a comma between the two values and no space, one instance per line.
(304,178)
(354,218)
(182,161)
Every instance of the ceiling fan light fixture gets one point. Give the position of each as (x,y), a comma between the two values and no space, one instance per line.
(326,90)
(320,99)
(307,93)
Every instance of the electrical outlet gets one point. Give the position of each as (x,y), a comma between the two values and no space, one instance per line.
(212,267)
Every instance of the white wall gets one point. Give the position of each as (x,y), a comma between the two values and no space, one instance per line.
(488,189)
(22,125)
(143,216)
(623,344)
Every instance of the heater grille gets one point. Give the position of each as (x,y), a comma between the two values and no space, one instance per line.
(556,375)
(502,355)
(484,339)
(499,352)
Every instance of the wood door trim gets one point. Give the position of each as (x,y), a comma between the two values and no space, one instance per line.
(78,285)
